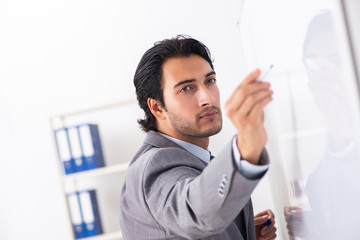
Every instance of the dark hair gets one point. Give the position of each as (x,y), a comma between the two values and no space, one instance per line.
(147,79)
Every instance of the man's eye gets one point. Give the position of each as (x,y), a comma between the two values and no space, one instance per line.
(184,89)
(211,80)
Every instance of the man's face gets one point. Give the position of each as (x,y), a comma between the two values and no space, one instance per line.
(191,98)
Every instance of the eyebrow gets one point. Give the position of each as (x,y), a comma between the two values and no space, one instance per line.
(193,80)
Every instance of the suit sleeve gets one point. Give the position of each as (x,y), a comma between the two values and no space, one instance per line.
(189,202)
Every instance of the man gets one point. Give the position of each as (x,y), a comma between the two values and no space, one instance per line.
(172,190)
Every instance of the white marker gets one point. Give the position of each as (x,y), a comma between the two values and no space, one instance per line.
(263,73)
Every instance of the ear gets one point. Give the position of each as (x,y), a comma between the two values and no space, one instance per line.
(156,109)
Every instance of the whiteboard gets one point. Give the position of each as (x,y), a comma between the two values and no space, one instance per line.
(313,122)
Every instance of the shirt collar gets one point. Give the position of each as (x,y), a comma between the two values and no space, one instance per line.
(199,152)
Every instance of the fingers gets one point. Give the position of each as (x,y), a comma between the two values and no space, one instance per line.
(254,104)
(252,76)
(267,212)
(247,86)
(270,213)
(259,220)
(257,112)
(268,233)
(247,104)
(242,91)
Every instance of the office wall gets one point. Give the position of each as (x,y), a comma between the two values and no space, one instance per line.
(61,56)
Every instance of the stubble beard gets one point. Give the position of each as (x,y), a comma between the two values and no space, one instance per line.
(188,129)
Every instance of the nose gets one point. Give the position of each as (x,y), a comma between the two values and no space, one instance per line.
(205,98)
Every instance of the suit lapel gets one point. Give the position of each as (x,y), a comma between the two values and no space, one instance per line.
(154,139)
(242,221)
(246,219)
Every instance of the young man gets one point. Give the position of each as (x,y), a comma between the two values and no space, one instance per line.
(174,188)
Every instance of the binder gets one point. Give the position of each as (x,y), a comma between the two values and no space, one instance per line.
(75,146)
(91,146)
(63,147)
(76,217)
(90,212)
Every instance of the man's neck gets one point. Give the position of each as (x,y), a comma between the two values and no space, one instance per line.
(201,142)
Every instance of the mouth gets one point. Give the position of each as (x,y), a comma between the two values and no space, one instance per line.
(208,115)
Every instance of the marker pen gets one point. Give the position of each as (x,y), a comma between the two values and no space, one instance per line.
(263,73)
(267,223)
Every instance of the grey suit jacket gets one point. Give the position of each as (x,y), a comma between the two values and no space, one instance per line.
(169,193)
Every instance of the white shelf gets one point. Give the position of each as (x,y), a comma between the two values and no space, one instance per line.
(122,167)
(71,180)
(107,236)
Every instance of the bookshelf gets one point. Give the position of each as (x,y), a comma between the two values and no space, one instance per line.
(120,138)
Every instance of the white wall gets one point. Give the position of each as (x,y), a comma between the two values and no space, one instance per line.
(59,56)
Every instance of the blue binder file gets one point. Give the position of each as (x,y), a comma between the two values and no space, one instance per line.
(91,146)
(76,152)
(61,137)
(76,217)
(90,213)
